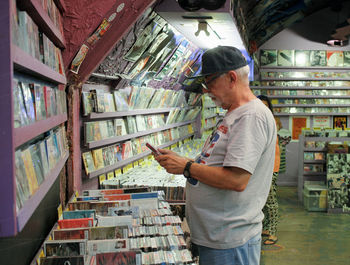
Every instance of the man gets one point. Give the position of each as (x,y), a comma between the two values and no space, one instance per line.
(229,182)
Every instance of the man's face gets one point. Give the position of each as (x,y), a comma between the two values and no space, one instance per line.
(216,85)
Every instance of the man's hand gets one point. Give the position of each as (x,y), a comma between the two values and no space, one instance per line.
(171,161)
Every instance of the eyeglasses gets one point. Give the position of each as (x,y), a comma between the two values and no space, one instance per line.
(206,83)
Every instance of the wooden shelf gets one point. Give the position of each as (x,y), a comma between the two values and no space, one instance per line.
(300,88)
(315,149)
(42,19)
(133,159)
(310,173)
(304,79)
(310,96)
(312,114)
(26,133)
(120,114)
(312,106)
(134,135)
(33,202)
(305,68)
(314,161)
(24,62)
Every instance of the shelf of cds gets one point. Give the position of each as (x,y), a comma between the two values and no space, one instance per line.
(121,122)
(47,15)
(313,147)
(33,109)
(107,159)
(116,139)
(149,174)
(132,225)
(298,80)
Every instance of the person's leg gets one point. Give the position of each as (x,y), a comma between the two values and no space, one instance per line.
(272,213)
(248,254)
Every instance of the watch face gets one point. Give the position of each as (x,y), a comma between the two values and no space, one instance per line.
(186,173)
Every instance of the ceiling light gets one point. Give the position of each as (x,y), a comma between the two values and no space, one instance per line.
(202,26)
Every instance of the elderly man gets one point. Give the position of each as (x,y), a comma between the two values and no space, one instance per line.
(228,183)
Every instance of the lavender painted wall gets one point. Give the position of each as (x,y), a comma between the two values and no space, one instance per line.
(303,36)
(7,179)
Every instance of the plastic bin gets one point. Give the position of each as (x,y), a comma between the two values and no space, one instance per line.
(315,196)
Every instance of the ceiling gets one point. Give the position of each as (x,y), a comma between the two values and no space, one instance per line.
(259,20)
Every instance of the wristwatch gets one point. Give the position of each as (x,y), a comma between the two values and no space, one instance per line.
(187,173)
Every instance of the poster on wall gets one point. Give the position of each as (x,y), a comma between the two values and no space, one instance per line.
(285,58)
(297,124)
(340,122)
(268,57)
(321,122)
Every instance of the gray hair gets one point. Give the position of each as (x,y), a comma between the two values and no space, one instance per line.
(243,73)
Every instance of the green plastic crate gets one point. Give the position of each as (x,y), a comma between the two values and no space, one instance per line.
(315,196)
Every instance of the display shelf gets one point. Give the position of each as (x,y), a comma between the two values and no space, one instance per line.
(42,19)
(312,114)
(304,79)
(33,202)
(310,96)
(307,175)
(315,149)
(120,114)
(26,133)
(134,158)
(134,135)
(24,62)
(300,87)
(314,161)
(176,202)
(312,105)
(306,69)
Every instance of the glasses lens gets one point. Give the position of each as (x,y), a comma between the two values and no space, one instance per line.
(204,86)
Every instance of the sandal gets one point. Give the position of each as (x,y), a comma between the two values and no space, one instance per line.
(265,233)
(270,241)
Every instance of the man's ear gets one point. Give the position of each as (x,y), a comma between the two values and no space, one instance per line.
(233,76)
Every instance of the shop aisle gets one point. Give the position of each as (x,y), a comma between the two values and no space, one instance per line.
(307,238)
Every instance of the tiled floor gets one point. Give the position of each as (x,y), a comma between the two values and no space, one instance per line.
(307,238)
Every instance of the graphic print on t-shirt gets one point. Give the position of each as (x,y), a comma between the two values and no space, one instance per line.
(208,148)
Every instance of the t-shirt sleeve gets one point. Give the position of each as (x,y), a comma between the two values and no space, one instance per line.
(246,141)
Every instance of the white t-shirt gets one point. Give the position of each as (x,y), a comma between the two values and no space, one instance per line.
(246,139)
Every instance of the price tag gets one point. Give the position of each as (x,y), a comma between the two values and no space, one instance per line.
(136,164)
(150,157)
(173,146)
(102,178)
(110,175)
(117,172)
(190,129)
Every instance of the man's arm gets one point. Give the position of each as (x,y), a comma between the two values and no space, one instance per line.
(230,178)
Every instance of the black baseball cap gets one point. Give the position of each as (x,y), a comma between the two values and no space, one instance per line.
(221,59)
